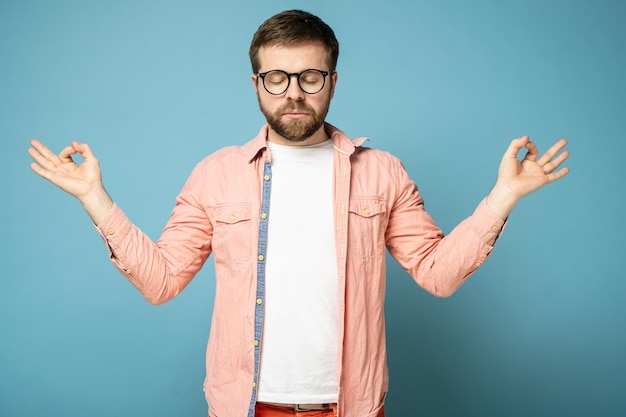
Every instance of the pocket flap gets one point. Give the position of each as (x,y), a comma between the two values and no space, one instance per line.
(233,212)
(367,206)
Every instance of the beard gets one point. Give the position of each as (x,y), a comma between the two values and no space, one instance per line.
(296,130)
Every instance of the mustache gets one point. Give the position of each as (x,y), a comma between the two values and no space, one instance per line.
(295,106)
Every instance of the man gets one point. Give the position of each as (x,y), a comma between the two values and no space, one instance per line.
(298,220)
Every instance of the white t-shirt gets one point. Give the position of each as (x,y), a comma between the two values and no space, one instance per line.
(299,345)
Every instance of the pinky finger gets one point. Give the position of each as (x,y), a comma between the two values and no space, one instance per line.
(558,175)
(40,171)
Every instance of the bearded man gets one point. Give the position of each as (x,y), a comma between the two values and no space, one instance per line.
(298,220)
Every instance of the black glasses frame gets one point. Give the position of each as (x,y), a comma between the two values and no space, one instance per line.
(297,75)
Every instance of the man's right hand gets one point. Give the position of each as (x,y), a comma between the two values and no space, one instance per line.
(83,181)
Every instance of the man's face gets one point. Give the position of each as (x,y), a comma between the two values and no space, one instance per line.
(295,117)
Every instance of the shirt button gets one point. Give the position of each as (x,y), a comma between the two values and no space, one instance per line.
(477,264)
(232,217)
(261,257)
(254,385)
(129,271)
(266,154)
(256,343)
(264,215)
(111,231)
(366,211)
(266,177)
(259,301)
(495,229)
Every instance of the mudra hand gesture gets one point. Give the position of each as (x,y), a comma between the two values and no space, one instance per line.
(517,179)
(83,181)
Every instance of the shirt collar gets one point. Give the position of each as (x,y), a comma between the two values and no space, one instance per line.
(341,142)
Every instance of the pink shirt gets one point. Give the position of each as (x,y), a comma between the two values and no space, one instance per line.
(223,209)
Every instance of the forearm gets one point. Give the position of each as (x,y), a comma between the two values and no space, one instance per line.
(159,270)
(97,203)
(441,264)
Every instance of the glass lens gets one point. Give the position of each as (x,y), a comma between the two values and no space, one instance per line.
(276,82)
(311,81)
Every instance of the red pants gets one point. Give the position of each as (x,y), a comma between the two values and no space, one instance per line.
(268,410)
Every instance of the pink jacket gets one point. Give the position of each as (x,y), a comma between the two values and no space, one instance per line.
(222,209)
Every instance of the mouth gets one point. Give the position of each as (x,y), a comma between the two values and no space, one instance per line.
(295,114)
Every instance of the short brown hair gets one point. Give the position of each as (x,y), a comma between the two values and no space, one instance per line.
(293,27)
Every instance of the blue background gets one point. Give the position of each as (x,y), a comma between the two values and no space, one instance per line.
(154,86)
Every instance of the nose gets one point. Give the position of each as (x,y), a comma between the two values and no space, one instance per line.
(294,92)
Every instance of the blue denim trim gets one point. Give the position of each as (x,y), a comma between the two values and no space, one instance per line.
(260,281)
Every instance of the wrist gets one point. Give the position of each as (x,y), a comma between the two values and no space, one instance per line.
(501,201)
(97,203)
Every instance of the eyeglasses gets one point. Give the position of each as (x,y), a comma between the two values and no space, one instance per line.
(276,82)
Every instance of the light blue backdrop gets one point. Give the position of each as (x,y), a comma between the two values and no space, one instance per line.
(154,86)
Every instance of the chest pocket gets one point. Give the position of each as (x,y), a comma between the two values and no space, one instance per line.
(366,226)
(232,234)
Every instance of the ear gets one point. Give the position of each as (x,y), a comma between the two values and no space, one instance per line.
(334,76)
(255,84)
